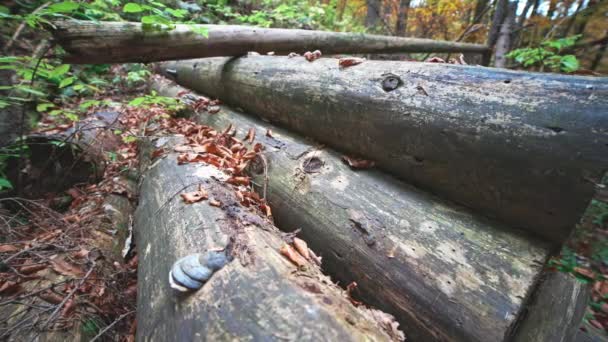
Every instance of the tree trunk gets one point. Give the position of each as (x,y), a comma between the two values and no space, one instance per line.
(505,38)
(428,262)
(259,295)
(117,42)
(372,15)
(573,18)
(600,53)
(584,17)
(500,13)
(497,141)
(341,8)
(552,7)
(480,9)
(404,6)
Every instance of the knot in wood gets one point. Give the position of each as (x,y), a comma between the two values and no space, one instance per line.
(391,82)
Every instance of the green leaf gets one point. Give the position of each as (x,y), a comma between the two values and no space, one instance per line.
(66,82)
(3,104)
(87,104)
(60,70)
(203,31)
(63,7)
(4,10)
(43,107)
(5,184)
(132,7)
(569,63)
(156,20)
(137,101)
(32,91)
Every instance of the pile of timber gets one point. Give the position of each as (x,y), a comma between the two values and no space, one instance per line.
(444,272)
(492,171)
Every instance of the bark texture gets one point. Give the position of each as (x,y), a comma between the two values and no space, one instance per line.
(117,42)
(446,274)
(556,311)
(258,296)
(526,148)
(505,37)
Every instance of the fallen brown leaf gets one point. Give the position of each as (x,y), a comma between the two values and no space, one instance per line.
(350,61)
(357,163)
(8,288)
(238,180)
(8,248)
(250,137)
(292,255)
(32,269)
(215,203)
(63,267)
(51,297)
(269,133)
(195,196)
(302,247)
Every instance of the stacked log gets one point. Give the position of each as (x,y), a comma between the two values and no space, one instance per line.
(526,148)
(117,42)
(445,273)
(259,295)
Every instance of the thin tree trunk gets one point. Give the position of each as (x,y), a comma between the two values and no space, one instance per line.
(584,17)
(341,9)
(480,8)
(505,38)
(600,54)
(373,13)
(114,42)
(421,258)
(402,15)
(573,18)
(497,141)
(500,12)
(552,7)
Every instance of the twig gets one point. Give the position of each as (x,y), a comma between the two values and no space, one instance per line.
(104,330)
(265,187)
(66,298)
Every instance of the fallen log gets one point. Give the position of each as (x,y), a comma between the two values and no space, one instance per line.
(556,309)
(445,274)
(526,148)
(118,42)
(259,295)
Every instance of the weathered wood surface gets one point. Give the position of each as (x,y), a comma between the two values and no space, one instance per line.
(118,42)
(447,275)
(524,147)
(258,296)
(555,311)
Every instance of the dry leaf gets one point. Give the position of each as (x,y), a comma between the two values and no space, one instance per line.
(51,297)
(250,135)
(238,180)
(585,272)
(292,255)
(349,291)
(292,55)
(81,254)
(357,163)
(350,61)
(63,267)
(391,253)
(269,133)
(8,288)
(8,248)
(215,203)
(195,196)
(435,60)
(266,209)
(30,269)
(302,247)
